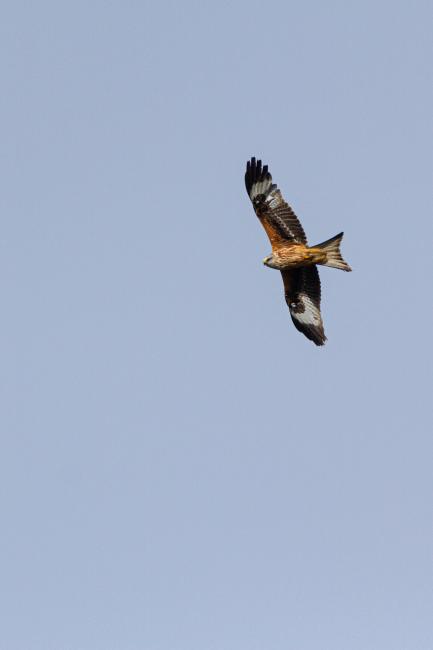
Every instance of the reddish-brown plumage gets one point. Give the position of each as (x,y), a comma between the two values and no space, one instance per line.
(292,256)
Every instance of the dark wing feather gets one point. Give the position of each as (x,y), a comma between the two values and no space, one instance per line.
(277,217)
(302,293)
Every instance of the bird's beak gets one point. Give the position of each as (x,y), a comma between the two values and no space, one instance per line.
(265,260)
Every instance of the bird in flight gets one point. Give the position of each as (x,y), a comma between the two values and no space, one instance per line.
(290,253)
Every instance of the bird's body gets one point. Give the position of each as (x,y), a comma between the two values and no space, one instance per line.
(290,253)
(294,256)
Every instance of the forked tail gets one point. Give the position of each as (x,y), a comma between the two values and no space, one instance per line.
(333,255)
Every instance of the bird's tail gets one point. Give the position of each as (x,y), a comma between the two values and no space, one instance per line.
(333,254)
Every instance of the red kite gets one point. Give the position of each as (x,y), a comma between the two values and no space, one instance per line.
(290,253)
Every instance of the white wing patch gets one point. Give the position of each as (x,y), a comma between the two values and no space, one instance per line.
(310,315)
(261,187)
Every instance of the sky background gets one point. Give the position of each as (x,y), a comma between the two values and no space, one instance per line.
(180,469)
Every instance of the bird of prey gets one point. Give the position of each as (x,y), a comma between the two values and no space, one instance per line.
(290,253)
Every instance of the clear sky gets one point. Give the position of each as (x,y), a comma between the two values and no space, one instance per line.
(180,469)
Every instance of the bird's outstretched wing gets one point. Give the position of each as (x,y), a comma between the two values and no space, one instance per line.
(277,217)
(302,293)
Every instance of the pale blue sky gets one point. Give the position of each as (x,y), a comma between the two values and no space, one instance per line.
(180,469)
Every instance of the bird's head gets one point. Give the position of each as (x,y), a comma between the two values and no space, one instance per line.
(269,261)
